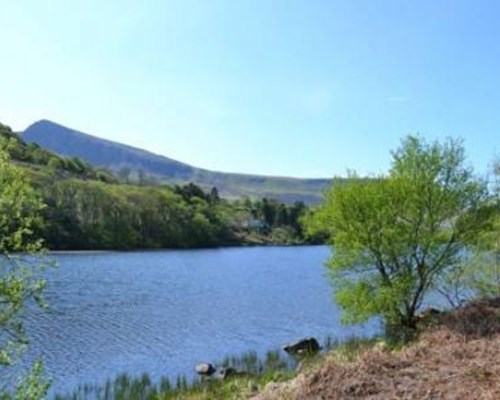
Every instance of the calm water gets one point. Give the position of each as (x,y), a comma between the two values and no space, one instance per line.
(163,312)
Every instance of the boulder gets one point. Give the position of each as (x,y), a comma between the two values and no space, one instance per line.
(205,369)
(303,347)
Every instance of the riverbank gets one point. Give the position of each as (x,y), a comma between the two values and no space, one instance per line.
(244,238)
(246,242)
(234,377)
(456,357)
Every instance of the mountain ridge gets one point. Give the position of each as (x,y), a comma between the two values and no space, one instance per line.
(120,157)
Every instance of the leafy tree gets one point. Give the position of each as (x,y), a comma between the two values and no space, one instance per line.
(190,191)
(396,235)
(141,178)
(55,163)
(282,215)
(480,274)
(124,174)
(297,211)
(214,195)
(487,281)
(20,209)
(268,211)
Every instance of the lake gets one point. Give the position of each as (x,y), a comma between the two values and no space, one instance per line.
(163,312)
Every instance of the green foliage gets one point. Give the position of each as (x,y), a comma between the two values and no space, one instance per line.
(254,374)
(32,155)
(394,236)
(87,208)
(20,210)
(267,221)
(486,274)
(86,214)
(479,275)
(34,386)
(95,215)
(129,162)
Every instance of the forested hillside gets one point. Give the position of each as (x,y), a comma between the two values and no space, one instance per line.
(136,164)
(90,208)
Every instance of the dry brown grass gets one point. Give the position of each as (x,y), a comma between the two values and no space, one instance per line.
(458,358)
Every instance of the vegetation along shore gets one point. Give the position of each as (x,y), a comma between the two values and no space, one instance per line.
(455,356)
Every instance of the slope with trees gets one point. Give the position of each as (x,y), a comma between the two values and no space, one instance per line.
(133,163)
(90,208)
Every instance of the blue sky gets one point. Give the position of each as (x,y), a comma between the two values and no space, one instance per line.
(300,88)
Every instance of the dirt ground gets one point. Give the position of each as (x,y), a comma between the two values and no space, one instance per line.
(457,357)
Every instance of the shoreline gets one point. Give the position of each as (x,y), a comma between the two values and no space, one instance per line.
(158,250)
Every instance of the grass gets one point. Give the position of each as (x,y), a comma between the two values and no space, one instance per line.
(254,374)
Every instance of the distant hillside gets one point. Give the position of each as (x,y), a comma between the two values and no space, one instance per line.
(88,208)
(119,157)
(34,158)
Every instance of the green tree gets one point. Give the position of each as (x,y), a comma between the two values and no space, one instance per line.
(124,174)
(20,209)
(489,244)
(214,195)
(480,275)
(396,235)
(269,211)
(55,163)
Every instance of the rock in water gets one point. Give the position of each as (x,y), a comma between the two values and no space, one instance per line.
(303,347)
(205,369)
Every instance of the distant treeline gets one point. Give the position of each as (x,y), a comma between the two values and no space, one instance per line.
(90,208)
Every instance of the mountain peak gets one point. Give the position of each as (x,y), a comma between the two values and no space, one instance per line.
(45,127)
(43,122)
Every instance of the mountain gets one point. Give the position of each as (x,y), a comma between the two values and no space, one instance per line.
(121,158)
